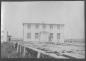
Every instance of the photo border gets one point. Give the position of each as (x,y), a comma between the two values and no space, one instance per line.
(33,59)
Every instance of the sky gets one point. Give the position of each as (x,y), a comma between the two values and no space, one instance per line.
(70,13)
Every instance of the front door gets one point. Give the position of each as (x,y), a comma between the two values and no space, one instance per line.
(44,36)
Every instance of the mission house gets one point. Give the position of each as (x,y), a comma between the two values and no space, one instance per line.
(43,32)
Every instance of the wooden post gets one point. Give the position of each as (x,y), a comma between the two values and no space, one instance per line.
(17,48)
(20,49)
(38,55)
(24,51)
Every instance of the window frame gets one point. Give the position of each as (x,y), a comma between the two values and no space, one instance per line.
(36,35)
(58,36)
(28,35)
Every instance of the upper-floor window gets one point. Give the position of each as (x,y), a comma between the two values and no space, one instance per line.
(37,26)
(58,26)
(29,35)
(36,35)
(29,26)
(58,35)
(51,26)
(44,26)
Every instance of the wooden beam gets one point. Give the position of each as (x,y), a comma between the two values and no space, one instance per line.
(17,48)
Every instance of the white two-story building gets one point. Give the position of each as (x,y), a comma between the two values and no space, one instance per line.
(43,32)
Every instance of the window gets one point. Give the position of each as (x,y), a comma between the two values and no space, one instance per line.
(37,26)
(58,26)
(29,35)
(51,26)
(29,25)
(58,35)
(36,35)
(51,37)
(44,26)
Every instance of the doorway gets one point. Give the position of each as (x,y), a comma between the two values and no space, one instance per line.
(44,36)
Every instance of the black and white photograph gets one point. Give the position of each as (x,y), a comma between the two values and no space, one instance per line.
(43,29)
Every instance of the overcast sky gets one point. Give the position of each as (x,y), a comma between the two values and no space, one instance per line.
(70,13)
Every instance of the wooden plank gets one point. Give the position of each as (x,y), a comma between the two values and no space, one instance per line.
(74,55)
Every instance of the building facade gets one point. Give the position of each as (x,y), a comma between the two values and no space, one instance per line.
(43,32)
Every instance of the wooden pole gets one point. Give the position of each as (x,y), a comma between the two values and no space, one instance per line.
(17,48)
(20,49)
(24,52)
(38,55)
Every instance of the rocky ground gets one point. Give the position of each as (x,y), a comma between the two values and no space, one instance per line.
(8,51)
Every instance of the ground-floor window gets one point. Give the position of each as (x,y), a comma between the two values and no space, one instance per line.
(29,35)
(36,35)
(51,37)
(58,35)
